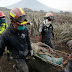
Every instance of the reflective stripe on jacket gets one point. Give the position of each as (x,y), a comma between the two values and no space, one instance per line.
(3,27)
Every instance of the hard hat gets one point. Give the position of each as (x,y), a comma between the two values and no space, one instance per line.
(18,16)
(49,16)
(2,14)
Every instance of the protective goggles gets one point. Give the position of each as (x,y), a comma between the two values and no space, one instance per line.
(50,18)
(21,19)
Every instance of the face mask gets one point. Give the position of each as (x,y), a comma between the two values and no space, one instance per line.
(21,27)
(3,20)
(47,22)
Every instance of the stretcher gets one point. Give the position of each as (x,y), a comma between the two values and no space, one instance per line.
(49,55)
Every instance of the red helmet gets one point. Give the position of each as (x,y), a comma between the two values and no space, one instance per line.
(49,16)
(18,16)
(2,14)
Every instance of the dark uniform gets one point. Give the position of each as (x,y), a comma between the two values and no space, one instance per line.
(69,65)
(18,43)
(46,34)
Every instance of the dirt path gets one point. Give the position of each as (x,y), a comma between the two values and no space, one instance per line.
(34,65)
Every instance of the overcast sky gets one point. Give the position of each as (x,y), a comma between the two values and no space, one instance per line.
(58,4)
(7,2)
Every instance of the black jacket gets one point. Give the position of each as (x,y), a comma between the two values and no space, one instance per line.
(46,33)
(18,43)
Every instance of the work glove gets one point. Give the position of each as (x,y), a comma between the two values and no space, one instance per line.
(40,38)
(31,52)
(29,55)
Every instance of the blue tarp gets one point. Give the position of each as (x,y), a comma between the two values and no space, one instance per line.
(53,60)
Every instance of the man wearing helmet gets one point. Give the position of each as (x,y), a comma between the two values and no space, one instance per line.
(68,63)
(16,38)
(46,29)
(3,24)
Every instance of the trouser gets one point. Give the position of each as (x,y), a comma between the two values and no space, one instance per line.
(21,65)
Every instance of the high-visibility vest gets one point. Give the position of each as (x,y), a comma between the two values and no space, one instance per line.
(3,27)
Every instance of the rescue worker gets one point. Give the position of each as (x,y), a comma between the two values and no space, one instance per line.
(46,29)
(68,64)
(3,24)
(16,38)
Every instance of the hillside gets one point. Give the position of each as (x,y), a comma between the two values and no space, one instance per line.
(32,4)
(4,9)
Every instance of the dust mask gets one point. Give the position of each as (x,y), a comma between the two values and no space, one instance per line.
(47,23)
